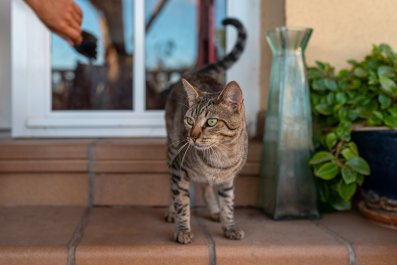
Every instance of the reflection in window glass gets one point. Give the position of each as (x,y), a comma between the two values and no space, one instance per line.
(171,43)
(104,83)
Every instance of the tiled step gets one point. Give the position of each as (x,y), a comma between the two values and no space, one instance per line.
(139,235)
(84,172)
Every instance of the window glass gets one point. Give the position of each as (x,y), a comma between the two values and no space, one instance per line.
(104,83)
(171,43)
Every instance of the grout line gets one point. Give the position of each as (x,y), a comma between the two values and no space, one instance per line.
(350,249)
(90,163)
(210,240)
(77,236)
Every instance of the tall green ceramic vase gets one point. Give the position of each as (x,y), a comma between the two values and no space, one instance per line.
(287,188)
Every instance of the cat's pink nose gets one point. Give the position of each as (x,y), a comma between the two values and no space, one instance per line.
(195,134)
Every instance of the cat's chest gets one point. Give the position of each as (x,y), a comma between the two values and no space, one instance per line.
(214,172)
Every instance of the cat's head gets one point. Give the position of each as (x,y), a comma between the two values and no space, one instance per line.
(214,120)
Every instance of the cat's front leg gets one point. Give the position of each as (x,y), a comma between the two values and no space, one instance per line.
(180,198)
(226,202)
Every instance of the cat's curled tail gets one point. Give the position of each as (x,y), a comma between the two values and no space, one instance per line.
(230,58)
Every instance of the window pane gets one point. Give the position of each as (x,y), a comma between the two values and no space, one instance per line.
(171,43)
(104,83)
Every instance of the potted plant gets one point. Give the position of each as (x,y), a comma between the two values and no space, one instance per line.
(355,117)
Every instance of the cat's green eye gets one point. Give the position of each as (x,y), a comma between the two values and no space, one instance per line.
(212,122)
(189,121)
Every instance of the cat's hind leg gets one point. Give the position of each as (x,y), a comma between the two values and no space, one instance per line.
(170,214)
(211,200)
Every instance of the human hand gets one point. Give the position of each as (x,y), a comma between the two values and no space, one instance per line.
(63,17)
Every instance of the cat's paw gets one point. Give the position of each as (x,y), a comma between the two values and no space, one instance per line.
(183,237)
(169,217)
(234,233)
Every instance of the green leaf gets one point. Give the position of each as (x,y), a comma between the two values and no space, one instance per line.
(352,114)
(318,85)
(356,84)
(323,190)
(388,86)
(330,84)
(324,109)
(331,140)
(373,78)
(353,148)
(393,110)
(330,98)
(359,165)
(391,121)
(349,175)
(343,114)
(375,119)
(341,98)
(384,100)
(360,72)
(343,131)
(378,114)
(327,171)
(385,48)
(321,157)
(339,204)
(347,153)
(360,179)
(346,191)
(386,71)
(353,62)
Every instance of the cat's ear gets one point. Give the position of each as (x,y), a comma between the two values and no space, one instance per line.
(232,96)
(192,93)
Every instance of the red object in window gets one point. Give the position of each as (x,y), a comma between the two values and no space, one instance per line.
(206,32)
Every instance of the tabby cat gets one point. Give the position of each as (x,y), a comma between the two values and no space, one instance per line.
(207,142)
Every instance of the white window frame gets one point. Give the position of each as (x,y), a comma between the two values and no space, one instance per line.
(32,114)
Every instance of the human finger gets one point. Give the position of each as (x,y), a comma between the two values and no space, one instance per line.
(71,21)
(77,11)
(76,17)
(72,34)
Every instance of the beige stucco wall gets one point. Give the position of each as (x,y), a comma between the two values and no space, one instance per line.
(343,29)
(272,15)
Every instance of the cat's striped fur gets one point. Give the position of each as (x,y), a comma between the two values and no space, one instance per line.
(207,142)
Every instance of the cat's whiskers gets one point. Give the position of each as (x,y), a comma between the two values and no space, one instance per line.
(183,159)
(178,142)
(181,148)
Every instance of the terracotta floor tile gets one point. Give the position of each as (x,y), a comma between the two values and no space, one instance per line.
(43,189)
(137,236)
(37,235)
(276,242)
(373,244)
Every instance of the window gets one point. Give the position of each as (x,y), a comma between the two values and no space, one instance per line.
(142,47)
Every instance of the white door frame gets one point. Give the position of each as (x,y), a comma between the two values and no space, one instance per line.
(31,81)
(5,63)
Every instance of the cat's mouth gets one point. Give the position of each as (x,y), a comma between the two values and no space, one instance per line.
(201,146)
